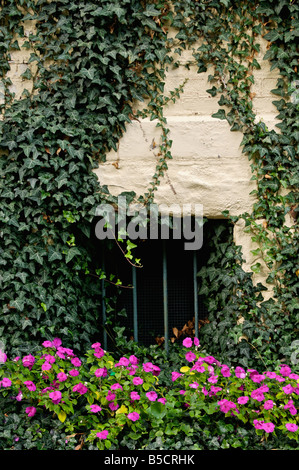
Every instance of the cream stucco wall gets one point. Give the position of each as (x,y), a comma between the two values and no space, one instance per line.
(208,166)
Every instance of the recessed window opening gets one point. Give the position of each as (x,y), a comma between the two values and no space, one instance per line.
(162,304)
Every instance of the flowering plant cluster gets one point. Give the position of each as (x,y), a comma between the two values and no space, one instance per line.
(104,399)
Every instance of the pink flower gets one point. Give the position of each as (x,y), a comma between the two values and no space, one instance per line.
(175,375)
(30,385)
(214,390)
(288,389)
(243,400)
(134,396)
(194,385)
(116,386)
(55,396)
(268,405)
(258,424)
(123,362)
(148,366)
(187,342)
(80,388)
(137,381)
(134,416)
(162,400)
(240,373)
(257,395)
(95,408)
(268,427)
(198,368)
(156,370)
(96,345)
(225,371)
(76,362)
(101,372)
(30,410)
(47,344)
(61,376)
(56,342)
(213,379)
(5,382)
(113,406)
(3,357)
(196,342)
(257,378)
(74,372)
(152,396)
(133,359)
(28,361)
(271,375)
(49,358)
(190,356)
(110,396)
(285,370)
(46,366)
(292,427)
(102,434)
(226,405)
(99,353)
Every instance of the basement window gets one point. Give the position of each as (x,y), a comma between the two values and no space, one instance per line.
(162,304)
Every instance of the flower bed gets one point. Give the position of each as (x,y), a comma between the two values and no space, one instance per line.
(102,402)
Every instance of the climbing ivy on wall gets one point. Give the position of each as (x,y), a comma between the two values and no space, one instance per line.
(90,63)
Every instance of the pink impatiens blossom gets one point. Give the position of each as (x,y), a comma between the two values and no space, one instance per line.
(175,375)
(47,344)
(116,386)
(152,396)
(240,372)
(285,370)
(268,427)
(30,410)
(102,434)
(243,400)
(76,362)
(124,361)
(190,356)
(194,385)
(95,408)
(162,400)
(134,396)
(5,382)
(292,427)
(110,396)
(101,372)
(55,396)
(30,385)
(134,416)
(137,381)
(225,371)
(187,342)
(61,377)
(74,372)
(113,406)
(46,366)
(28,361)
(226,405)
(288,389)
(268,405)
(80,388)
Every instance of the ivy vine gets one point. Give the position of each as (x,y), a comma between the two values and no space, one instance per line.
(92,61)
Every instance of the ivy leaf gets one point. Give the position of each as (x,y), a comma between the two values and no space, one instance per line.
(71,253)
(220,114)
